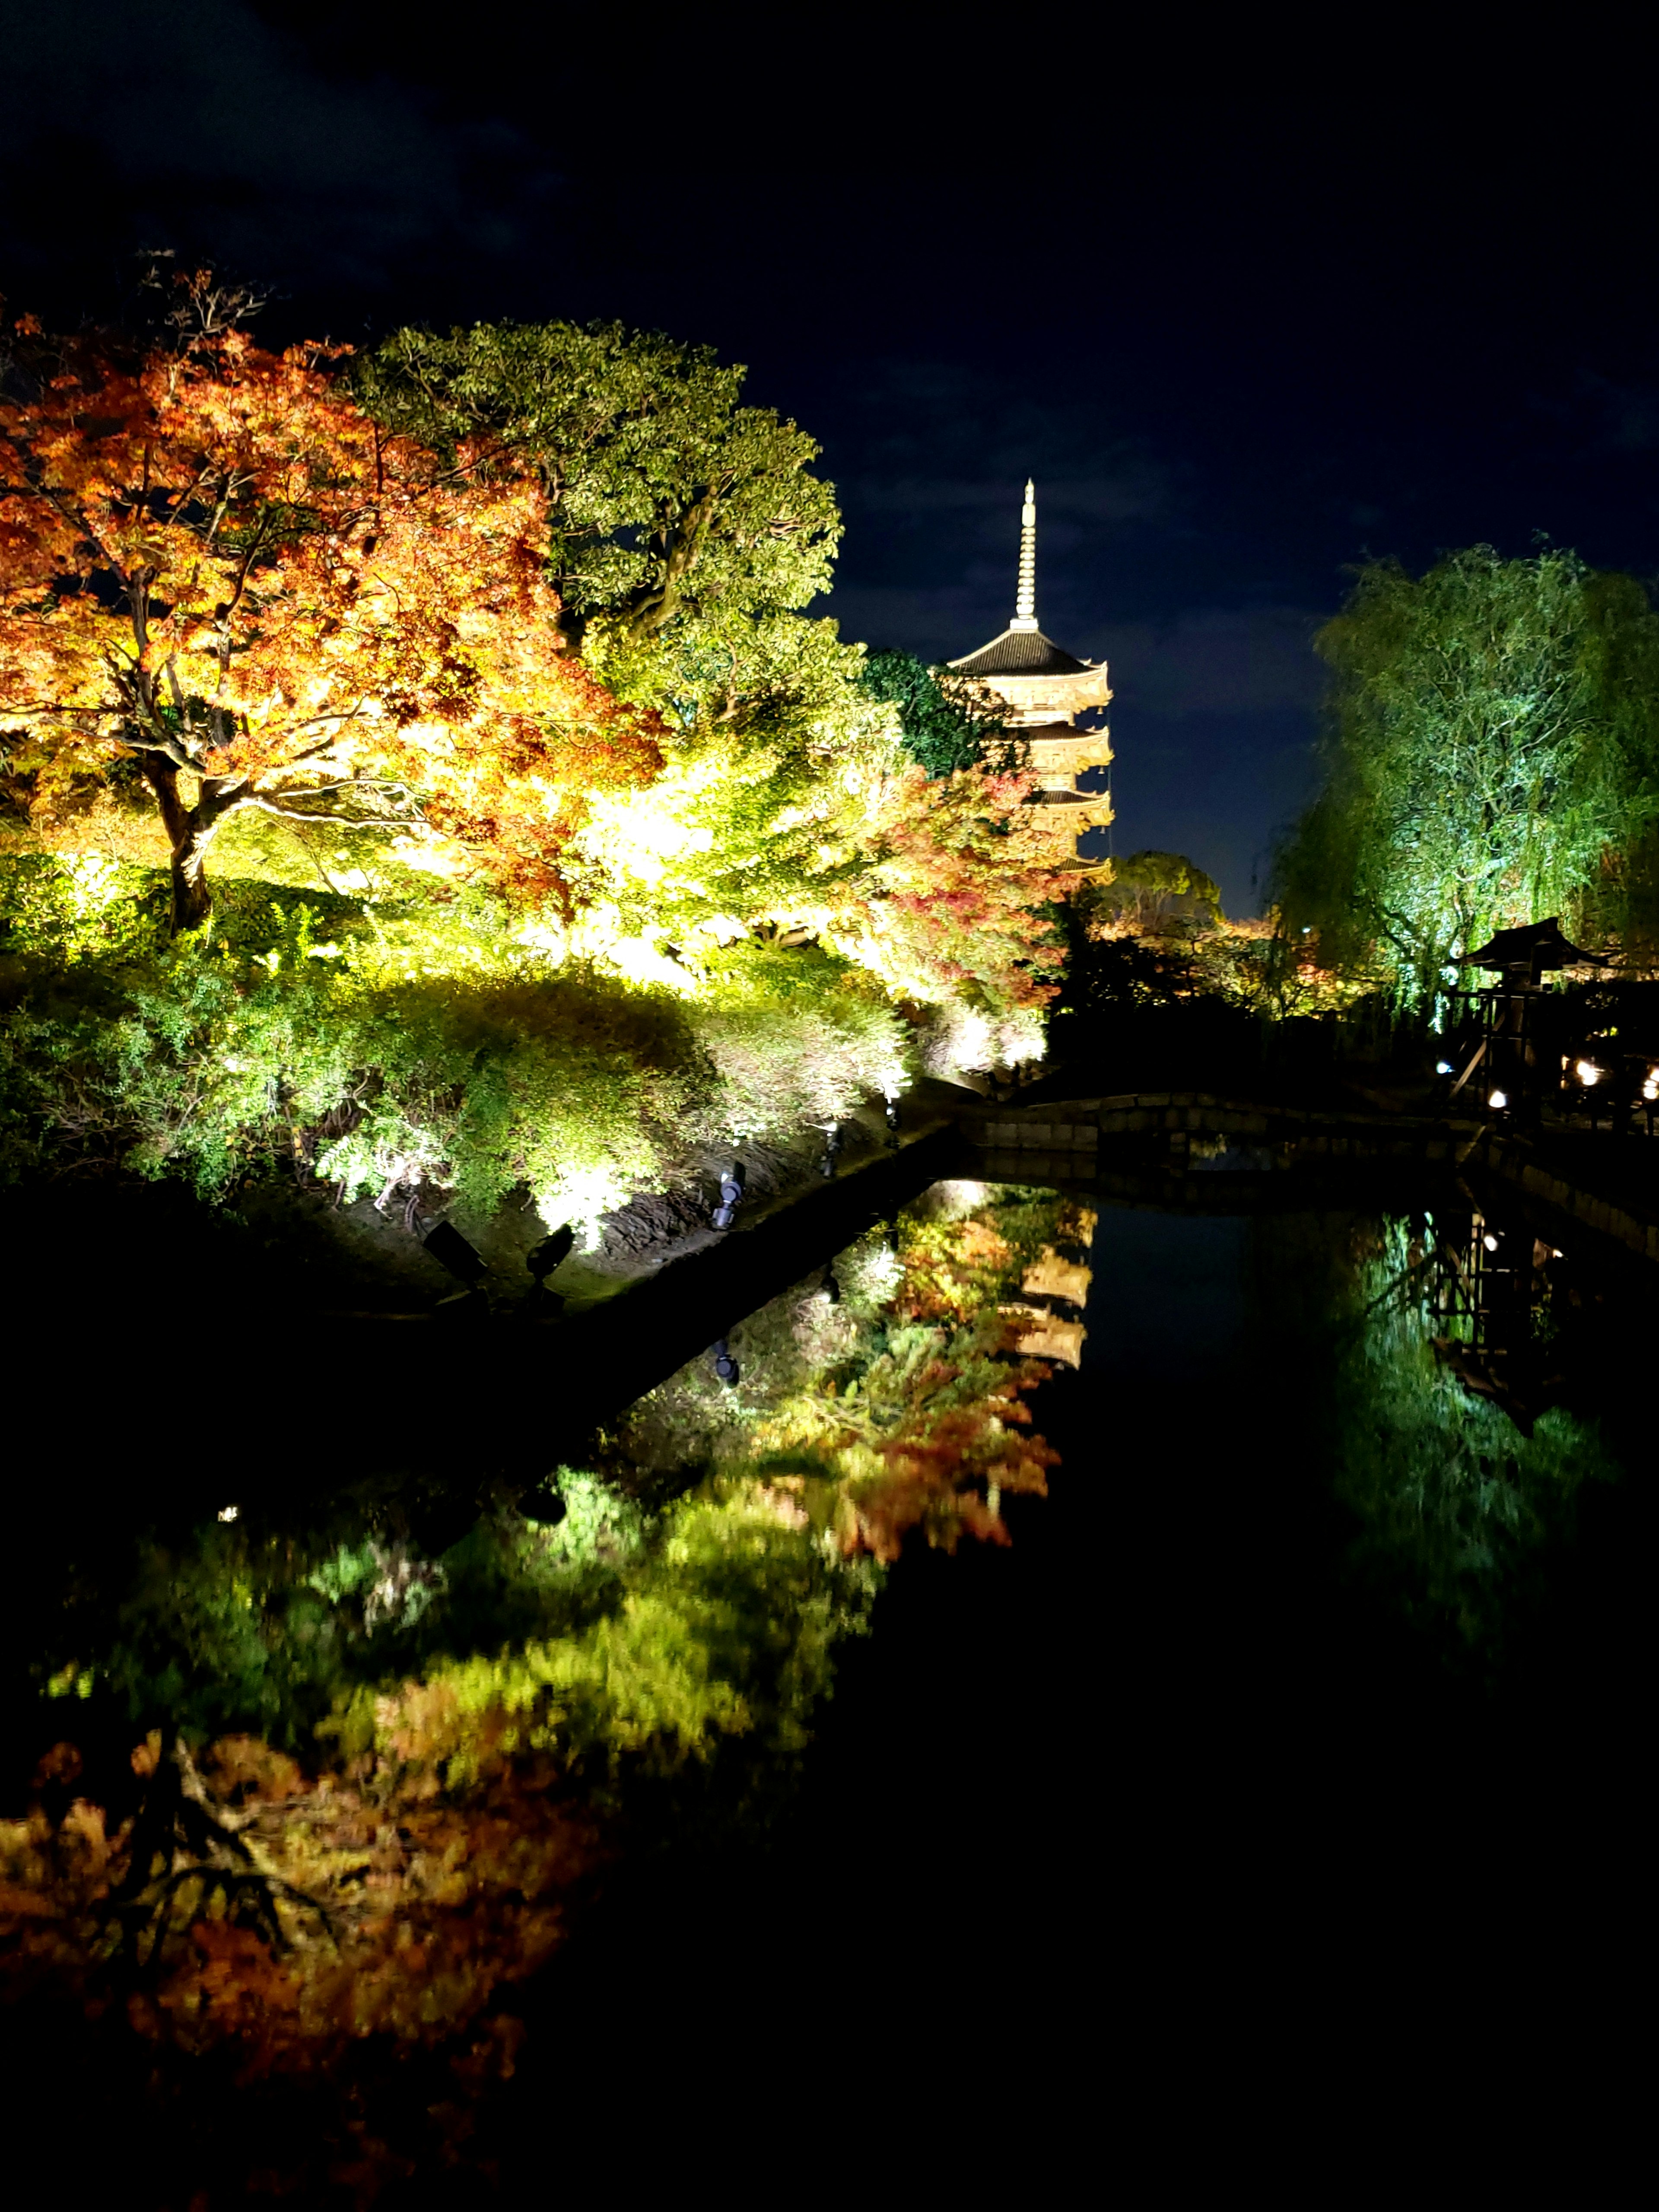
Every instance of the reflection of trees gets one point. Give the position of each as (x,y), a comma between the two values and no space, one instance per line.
(896,1400)
(1457,1505)
(380,1750)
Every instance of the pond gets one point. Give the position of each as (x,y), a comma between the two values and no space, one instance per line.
(1046,1597)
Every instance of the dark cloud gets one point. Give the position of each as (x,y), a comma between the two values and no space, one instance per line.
(193,123)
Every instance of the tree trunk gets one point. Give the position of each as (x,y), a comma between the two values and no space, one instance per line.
(190,830)
(655,604)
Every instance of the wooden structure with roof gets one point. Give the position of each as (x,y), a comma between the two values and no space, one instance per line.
(1046,689)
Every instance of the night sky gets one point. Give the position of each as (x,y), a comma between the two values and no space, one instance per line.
(1248,303)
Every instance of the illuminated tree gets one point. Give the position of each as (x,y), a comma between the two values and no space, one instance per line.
(1151,890)
(214,563)
(667,500)
(946,721)
(964,885)
(685,530)
(1493,739)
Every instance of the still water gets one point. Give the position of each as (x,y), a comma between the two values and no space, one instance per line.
(1051,1608)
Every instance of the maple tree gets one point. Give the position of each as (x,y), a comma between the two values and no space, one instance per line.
(962,875)
(213,563)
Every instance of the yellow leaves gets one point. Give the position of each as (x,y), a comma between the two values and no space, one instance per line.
(308,580)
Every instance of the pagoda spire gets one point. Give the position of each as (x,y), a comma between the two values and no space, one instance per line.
(1025,592)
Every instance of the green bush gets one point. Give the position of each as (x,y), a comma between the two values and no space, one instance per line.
(398,1046)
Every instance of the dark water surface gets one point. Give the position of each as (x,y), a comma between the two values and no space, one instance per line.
(1226,1757)
(1319,1685)
(1228,1763)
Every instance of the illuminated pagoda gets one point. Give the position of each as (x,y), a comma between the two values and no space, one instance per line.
(1046,689)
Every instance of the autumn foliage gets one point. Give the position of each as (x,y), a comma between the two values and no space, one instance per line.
(472,1740)
(213,563)
(963,875)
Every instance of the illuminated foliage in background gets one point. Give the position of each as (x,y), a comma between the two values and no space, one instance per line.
(1492,754)
(1151,935)
(1151,893)
(213,562)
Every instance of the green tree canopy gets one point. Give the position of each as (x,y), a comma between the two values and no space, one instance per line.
(669,499)
(945,721)
(1150,888)
(1490,758)
(686,532)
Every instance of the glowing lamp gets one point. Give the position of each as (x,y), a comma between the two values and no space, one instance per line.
(1498,1098)
(228,1512)
(1490,1242)
(1588,1073)
(1443,1067)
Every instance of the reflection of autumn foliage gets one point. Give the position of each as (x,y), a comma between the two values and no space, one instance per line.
(946,1472)
(928,1429)
(388,1907)
(953,1269)
(950,1391)
(370,1903)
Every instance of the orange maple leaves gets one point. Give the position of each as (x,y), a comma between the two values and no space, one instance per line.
(964,874)
(213,559)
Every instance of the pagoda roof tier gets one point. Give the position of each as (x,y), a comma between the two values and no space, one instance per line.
(1022,652)
(1065,733)
(1538,945)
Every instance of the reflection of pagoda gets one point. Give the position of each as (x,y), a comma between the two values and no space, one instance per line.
(1046,689)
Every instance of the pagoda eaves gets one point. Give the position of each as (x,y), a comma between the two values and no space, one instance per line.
(1046,688)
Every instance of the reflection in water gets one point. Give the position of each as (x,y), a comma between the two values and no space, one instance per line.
(304,1791)
(1462,1474)
(312,1796)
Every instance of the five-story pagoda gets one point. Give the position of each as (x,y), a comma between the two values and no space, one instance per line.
(1045,689)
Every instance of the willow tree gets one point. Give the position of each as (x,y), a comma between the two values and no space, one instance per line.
(1491,757)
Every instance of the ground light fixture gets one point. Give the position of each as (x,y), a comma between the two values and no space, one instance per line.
(1588,1073)
(1490,1242)
(1500,1098)
(1443,1067)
